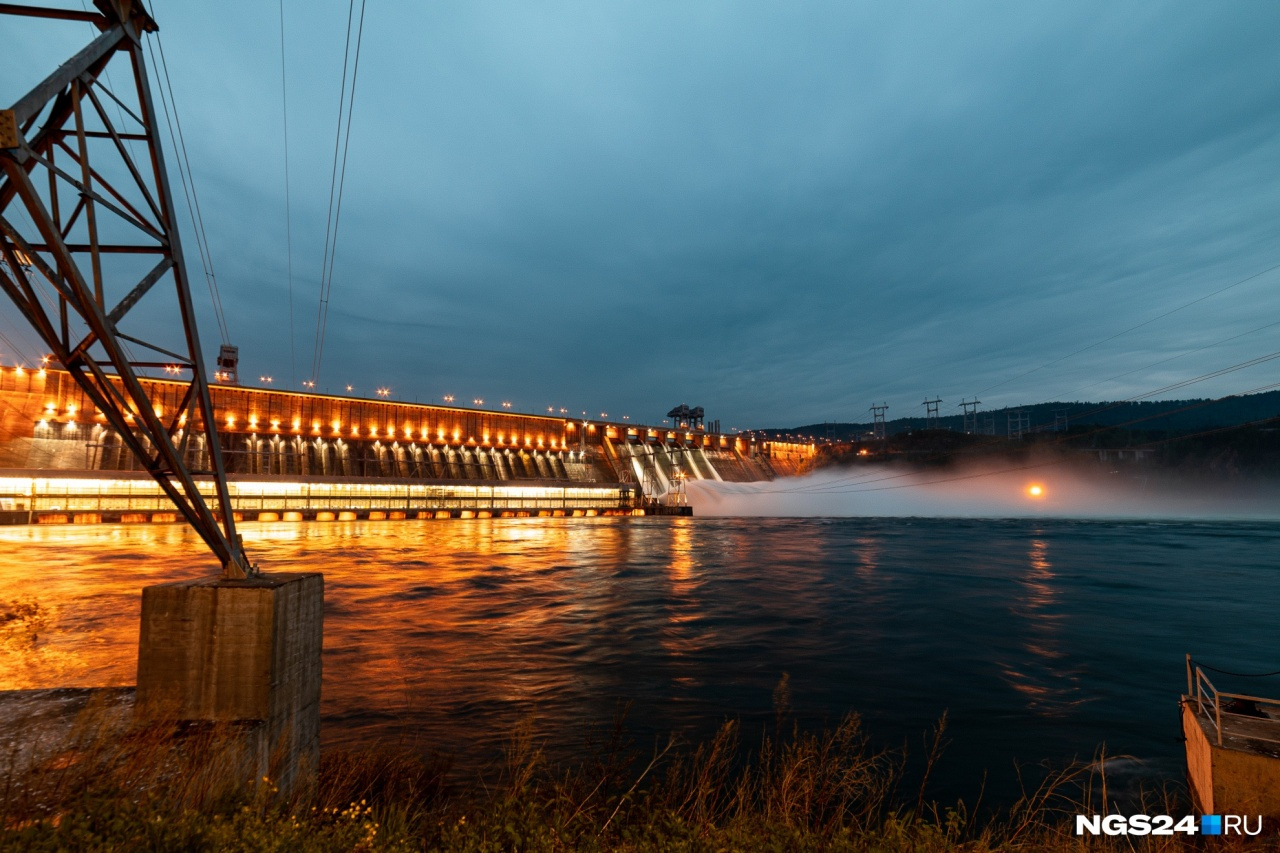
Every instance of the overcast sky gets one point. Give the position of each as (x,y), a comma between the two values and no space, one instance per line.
(783,212)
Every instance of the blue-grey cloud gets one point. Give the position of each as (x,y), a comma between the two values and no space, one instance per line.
(780,212)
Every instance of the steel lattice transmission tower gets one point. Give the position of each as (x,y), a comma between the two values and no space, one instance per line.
(878,425)
(970,415)
(87,231)
(931,413)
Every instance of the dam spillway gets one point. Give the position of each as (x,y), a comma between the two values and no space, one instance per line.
(295,456)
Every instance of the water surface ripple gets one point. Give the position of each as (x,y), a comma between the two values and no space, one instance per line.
(1040,638)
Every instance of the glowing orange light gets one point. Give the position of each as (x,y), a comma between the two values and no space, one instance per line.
(1035,490)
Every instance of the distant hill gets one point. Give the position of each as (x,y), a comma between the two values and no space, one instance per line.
(1171,416)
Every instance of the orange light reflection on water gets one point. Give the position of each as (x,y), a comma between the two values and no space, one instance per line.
(1050,686)
(491,619)
(70,599)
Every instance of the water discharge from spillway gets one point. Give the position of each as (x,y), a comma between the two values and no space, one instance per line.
(1044,491)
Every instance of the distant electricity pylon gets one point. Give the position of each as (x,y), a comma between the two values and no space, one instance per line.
(877,415)
(970,415)
(1060,420)
(1019,423)
(931,413)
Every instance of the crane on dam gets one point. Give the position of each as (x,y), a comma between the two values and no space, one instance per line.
(87,232)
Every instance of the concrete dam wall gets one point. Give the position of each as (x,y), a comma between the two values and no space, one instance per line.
(276,443)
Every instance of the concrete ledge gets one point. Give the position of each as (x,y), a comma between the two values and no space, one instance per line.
(1227,779)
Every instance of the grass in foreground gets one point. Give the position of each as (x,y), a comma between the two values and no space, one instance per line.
(792,791)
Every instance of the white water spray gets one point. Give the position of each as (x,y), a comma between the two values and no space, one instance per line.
(1049,491)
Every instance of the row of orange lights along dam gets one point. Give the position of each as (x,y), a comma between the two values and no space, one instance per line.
(373,430)
(253,423)
(385,392)
(231,422)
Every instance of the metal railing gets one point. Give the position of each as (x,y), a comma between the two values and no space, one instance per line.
(1215,704)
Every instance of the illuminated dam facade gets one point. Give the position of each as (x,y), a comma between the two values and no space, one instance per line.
(296,456)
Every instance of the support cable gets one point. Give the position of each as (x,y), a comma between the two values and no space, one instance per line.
(14,349)
(288,216)
(1034,465)
(188,185)
(1130,329)
(1173,358)
(333,178)
(110,84)
(337,181)
(859,479)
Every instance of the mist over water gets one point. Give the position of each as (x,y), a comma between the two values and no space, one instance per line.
(1054,490)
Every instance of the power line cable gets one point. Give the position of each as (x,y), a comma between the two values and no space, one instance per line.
(189,190)
(195,197)
(288,215)
(14,349)
(337,218)
(337,181)
(1047,464)
(1172,358)
(863,478)
(333,178)
(1128,330)
(110,83)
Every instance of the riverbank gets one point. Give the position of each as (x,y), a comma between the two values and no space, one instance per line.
(108,787)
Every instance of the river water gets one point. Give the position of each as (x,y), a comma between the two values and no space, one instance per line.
(1041,638)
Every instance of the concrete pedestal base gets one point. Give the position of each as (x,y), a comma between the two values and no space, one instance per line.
(244,653)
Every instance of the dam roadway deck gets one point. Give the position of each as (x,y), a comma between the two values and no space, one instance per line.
(294,456)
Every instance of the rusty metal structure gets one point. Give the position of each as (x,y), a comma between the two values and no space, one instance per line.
(87,231)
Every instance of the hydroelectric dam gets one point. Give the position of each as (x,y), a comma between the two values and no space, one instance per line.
(304,456)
